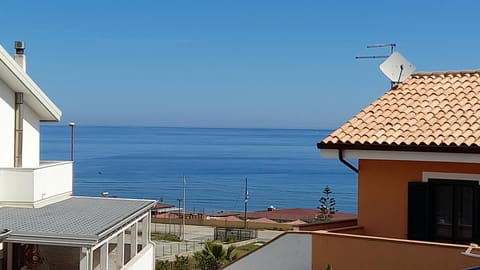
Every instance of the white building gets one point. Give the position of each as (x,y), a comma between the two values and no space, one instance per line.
(42,226)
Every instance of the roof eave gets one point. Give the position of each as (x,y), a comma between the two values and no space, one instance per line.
(396,148)
(19,81)
(79,241)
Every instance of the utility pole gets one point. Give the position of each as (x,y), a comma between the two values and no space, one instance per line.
(246,202)
(178,216)
(184,209)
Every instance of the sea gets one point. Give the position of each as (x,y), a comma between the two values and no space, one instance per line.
(282,167)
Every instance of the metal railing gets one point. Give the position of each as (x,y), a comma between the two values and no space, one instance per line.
(167,250)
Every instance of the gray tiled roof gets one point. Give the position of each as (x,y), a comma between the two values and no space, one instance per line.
(74,218)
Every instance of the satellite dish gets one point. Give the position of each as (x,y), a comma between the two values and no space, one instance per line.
(397,68)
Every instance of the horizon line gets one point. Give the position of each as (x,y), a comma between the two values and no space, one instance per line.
(180,127)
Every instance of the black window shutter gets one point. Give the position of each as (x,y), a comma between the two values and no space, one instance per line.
(476,216)
(418,211)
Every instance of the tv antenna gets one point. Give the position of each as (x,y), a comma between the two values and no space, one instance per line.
(395,67)
(391,45)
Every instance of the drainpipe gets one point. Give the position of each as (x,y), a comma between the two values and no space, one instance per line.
(340,157)
(18,130)
(19,58)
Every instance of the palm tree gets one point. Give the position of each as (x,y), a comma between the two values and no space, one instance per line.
(213,256)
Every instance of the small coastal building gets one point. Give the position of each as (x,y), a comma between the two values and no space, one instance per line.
(42,225)
(418,152)
(162,208)
(302,219)
(292,214)
(285,215)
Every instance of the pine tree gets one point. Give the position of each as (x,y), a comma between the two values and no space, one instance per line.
(327,205)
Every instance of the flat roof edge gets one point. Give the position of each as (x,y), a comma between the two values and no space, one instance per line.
(136,214)
(52,240)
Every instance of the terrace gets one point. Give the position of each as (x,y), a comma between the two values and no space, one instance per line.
(36,187)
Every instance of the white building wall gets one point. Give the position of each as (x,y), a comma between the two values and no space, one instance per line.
(143,261)
(16,186)
(7,126)
(51,181)
(31,139)
(289,251)
(27,187)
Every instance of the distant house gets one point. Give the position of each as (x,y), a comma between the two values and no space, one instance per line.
(294,214)
(42,226)
(161,208)
(418,152)
(285,215)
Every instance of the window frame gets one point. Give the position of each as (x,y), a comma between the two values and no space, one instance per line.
(431,180)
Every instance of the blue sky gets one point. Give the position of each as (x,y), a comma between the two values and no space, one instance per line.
(226,63)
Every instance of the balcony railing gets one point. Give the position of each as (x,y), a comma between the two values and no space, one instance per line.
(35,187)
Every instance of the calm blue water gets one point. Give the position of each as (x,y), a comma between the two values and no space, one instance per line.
(283,166)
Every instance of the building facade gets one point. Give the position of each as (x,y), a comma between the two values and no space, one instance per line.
(42,225)
(418,153)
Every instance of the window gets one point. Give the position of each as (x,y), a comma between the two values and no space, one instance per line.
(444,210)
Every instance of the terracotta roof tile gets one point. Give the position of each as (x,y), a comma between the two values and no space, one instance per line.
(435,109)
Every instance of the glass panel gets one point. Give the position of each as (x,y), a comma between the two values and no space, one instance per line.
(464,213)
(443,212)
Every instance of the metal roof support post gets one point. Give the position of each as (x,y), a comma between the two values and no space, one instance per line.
(120,249)
(86,262)
(145,231)
(133,240)
(9,255)
(104,256)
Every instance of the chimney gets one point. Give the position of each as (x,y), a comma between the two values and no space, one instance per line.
(20,57)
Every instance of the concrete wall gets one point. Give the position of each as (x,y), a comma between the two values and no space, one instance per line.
(289,251)
(35,187)
(383,192)
(52,180)
(328,225)
(143,261)
(358,252)
(7,125)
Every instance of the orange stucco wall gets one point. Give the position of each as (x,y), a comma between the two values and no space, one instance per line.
(356,252)
(383,188)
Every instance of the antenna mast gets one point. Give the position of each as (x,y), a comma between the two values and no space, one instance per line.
(375,46)
(391,45)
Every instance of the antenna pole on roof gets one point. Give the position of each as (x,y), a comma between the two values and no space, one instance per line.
(374,46)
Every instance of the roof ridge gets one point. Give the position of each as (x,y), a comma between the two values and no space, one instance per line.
(447,72)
